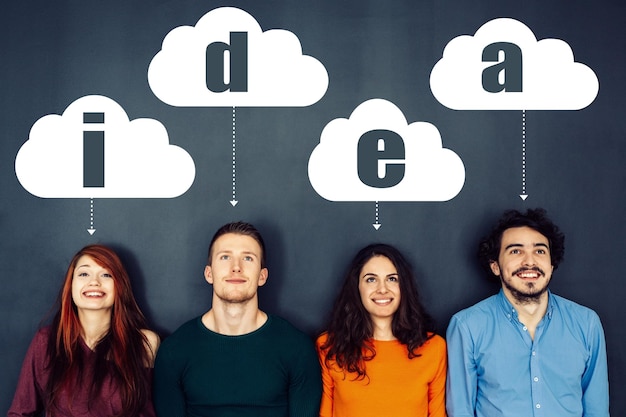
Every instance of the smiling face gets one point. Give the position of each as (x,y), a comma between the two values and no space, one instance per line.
(235,270)
(379,288)
(93,287)
(524,264)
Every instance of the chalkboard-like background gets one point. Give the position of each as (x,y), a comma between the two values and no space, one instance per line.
(54,52)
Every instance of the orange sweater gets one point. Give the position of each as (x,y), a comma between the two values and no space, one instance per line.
(395,385)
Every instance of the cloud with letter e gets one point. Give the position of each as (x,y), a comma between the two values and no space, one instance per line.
(93,150)
(227,60)
(375,155)
(504,67)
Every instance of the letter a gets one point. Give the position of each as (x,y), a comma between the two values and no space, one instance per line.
(511,66)
(216,62)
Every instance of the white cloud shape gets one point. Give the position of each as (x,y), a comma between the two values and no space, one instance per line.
(551,79)
(431,173)
(278,74)
(139,162)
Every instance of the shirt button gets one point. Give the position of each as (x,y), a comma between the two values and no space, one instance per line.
(535,379)
(537,405)
(534,353)
(525,328)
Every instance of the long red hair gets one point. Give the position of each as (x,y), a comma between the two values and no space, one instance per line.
(122,351)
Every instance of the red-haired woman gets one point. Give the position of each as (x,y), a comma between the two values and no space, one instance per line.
(95,358)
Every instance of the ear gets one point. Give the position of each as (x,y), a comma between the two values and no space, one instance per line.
(207,274)
(263,276)
(495,268)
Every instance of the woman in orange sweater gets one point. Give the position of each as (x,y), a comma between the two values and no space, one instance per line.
(379,354)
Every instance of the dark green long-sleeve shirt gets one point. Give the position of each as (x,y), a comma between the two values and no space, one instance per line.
(271,372)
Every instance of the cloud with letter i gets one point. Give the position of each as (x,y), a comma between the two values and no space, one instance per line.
(93,150)
(504,67)
(226,60)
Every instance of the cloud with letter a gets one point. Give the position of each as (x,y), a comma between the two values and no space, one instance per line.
(504,67)
(226,60)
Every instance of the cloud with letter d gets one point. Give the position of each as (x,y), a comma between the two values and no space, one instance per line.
(227,60)
(504,67)
(137,159)
(376,155)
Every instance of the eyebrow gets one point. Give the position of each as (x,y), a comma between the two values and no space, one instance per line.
(519,245)
(231,251)
(368,274)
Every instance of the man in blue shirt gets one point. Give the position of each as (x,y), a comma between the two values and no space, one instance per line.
(525,351)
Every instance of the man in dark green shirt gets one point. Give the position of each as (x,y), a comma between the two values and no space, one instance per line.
(236,360)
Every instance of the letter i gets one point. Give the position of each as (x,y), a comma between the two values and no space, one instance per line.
(93,152)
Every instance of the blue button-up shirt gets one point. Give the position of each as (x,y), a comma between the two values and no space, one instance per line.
(496,369)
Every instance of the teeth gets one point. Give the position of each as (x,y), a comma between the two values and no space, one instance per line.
(94,294)
(385,301)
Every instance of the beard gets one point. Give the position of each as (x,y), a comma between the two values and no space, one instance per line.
(531,293)
(234,296)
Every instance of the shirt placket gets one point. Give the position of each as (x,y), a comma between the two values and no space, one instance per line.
(535,373)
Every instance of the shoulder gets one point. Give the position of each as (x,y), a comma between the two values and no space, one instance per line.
(435,341)
(291,338)
(571,310)
(154,341)
(480,310)
(183,335)
(321,339)
(284,328)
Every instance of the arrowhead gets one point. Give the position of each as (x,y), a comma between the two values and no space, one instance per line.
(91,231)
(523,196)
(376,225)
(234,202)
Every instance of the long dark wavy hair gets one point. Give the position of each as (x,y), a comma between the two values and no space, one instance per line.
(122,353)
(350,327)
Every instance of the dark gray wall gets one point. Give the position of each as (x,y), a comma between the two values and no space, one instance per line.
(53,53)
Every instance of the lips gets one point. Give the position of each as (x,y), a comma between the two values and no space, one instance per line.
(93,294)
(529,273)
(382,301)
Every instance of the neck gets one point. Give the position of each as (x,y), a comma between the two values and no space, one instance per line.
(382,329)
(529,311)
(234,319)
(95,324)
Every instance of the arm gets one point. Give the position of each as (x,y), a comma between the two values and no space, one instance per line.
(595,379)
(461,384)
(167,392)
(328,385)
(437,386)
(305,386)
(28,398)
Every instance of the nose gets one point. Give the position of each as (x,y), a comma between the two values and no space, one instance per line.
(382,287)
(95,280)
(529,259)
(236,265)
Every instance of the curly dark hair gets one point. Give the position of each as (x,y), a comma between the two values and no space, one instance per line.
(536,219)
(350,328)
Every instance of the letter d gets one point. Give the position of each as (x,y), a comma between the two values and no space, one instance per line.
(216,63)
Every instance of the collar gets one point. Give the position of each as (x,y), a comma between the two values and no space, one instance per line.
(511,313)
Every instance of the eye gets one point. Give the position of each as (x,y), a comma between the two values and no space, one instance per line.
(83,274)
(248,258)
(515,252)
(224,257)
(392,279)
(107,275)
(370,279)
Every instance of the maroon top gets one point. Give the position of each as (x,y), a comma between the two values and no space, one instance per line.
(28,399)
